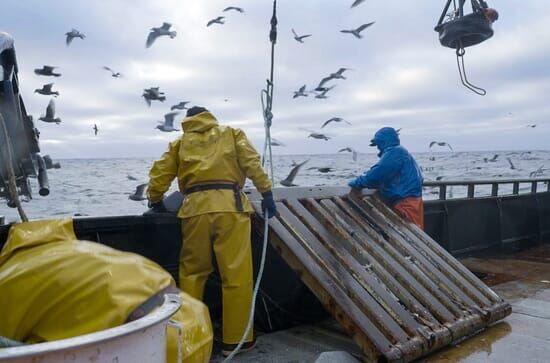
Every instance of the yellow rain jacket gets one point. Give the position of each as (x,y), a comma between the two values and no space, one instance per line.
(53,286)
(207,153)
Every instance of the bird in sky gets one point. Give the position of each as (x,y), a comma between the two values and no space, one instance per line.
(153,94)
(289,180)
(139,194)
(300,38)
(47,71)
(532,126)
(275,142)
(493,159)
(46,90)
(73,34)
(95,129)
(335,119)
(50,114)
(440,143)
(234,8)
(537,172)
(113,73)
(357,2)
(319,136)
(350,150)
(336,75)
(130,177)
(179,106)
(512,166)
(323,94)
(168,124)
(357,32)
(301,92)
(218,20)
(163,30)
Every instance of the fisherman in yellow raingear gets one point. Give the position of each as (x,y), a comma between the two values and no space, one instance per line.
(212,163)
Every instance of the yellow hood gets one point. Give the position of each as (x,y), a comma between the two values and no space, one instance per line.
(201,122)
(30,234)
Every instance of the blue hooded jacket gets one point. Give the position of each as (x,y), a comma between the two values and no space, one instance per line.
(396,175)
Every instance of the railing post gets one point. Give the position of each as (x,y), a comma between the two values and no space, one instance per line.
(533,187)
(548,185)
(471,190)
(442,192)
(515,189)
(494,190)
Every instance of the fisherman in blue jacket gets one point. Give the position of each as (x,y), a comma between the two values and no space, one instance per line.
(396,176)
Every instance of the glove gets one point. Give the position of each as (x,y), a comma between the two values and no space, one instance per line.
(269,204)
(157,207)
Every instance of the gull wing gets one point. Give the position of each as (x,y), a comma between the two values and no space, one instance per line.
(294,32)
(47,87)
(432,143)
(324,80)
(294,172)
(50,110)
(364,26)
(140,190)
(304,36)
(346,149)
(450,147)
(108,69)
(48,68)
(151,39)
(328,121)
(169,119)
(357,2)
(165,26)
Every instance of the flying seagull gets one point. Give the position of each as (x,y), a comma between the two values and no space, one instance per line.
(73,34)
(440,143)
(95,129)
(163,30)
(350,150)
(46,90)
(301,92)
(357,32)
(50,114)
(335,119)
(492,160)
(218,20)
(512,166)
(168,124)
(235,8)
(139,194)
(357,2)
(336,75)
(153,94)
(319,136)
(537,172)
(113,73)
(47,71)
(322,169)
(300,38)
(323,93)
(179,106)
(289,181)
(275,142)
(131,177)
(532,126)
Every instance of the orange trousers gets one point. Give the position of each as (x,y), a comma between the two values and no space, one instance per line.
(412,210)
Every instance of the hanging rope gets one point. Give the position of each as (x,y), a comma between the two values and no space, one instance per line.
(12,184)
(462,72)
(267,104)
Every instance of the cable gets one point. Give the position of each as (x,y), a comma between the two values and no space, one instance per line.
(267,105)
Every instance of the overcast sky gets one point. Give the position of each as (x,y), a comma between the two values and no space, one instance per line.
(401,76)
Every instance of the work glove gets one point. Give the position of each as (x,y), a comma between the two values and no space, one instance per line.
(268,204)
(157,207)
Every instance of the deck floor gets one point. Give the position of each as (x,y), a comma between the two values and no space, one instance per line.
(522,278)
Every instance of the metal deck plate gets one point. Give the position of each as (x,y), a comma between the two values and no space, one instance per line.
(393,289)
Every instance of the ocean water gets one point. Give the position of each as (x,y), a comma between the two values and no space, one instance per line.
(100,187)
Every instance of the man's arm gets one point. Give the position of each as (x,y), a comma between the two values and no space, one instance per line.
(163,172)
(249,161)
(385,169)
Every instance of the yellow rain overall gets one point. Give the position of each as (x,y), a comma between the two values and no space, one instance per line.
(206,158)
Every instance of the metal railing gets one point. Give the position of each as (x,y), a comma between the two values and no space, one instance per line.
(495,184)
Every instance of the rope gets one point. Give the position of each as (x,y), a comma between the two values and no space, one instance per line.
(12,184)
(460,51)
(267,105)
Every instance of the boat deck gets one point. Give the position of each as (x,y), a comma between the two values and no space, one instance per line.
(522,278)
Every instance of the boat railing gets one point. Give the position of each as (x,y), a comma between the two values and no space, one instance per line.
(495,184)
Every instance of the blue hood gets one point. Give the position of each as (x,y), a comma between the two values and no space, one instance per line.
(385,138)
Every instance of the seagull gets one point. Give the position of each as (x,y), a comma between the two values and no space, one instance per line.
(153,94)
(532,126)
(322,169)
(46,90)
(73,34)
(47,71)
(168,124)
(301,92)
(50,114)
(113,73)
(179,106)
(357,2)
(131,177)
(350,150)
(537,172)
(275,142)
(158,32)
(440,143)
(95,129)
(336,75)
(300,38)
(511,164)
(289,181)
(139,194)
(335,119)
(319,136)
(357,32)
(218,20)
(493,159)
(229,8)
(323,93)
